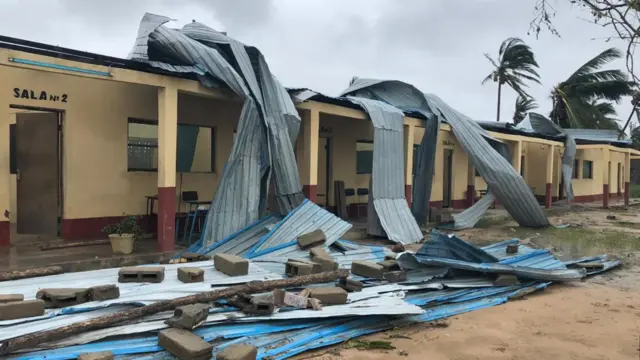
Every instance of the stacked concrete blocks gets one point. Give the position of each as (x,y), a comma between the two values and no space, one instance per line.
(367,269)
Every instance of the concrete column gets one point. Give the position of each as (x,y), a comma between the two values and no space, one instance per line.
(167,144)
(409,136)
(516,156)
(5,177)
(308,162)
(605,178)
(548,199)
(627,177)
(471,183)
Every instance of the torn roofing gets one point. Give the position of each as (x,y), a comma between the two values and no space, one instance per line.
(268,126)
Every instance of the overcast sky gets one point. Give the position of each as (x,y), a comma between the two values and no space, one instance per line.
(436,45)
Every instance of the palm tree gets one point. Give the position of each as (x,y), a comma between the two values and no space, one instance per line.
(579,101)
(516,63)
(523,106)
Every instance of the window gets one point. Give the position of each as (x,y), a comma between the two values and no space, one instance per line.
(477,173)
(195,147)
(576,169)
(364,157)
(416,149)
(587,169)
(522,166)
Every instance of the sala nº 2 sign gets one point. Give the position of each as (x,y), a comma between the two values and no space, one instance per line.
(38,95)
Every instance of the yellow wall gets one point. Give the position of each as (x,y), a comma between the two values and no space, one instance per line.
(584,187)
(96,180)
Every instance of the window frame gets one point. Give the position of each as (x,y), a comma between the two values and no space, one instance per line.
(364,142)
(590,175)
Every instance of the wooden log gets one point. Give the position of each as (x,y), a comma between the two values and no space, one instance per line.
(32,340)
(29,273)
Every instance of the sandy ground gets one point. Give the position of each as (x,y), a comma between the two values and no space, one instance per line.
(595,319)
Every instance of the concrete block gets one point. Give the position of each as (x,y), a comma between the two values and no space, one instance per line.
(327,264)
(189,317)
(238,352)
(11,298)
(506,280)
(150,274)
(59,298)
(309,240)
(104,292)
(184,345)
(395,276)
(278,297)
(104,355)
(295,267)
(350,285)
(367,269)
(320,252)
(390,265)
(512,248)
(329,295)
(231,265)
(190,274)
(21,309)
(192,257)
(260,305)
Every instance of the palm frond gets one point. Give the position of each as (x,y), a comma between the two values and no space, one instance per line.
(596,63)
(493,62)
(523,106)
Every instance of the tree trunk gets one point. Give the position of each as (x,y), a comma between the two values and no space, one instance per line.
(32,340)
(624,128)
(499,95)
(29,273)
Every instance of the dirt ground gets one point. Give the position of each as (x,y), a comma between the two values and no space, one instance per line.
(595,319)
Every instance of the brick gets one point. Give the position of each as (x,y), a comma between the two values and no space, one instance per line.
(11,298)
(21,309)
(390,265)
(329,295)
(512,248)
(295,267)
(184,345)
(189,317)
(350,285)
(367,269)
(320,252)
(231,265)
(104,292)
(238,352)
(506,280)
(395,276)
(104,355)
(190,274)
(59,298)
(327,264)
(299,301)
(150,274)
(309,240)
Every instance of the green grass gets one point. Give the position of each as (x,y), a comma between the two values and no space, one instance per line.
(635,191)
(488,222)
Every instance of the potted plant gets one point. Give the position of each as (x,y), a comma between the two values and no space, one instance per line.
(123,234)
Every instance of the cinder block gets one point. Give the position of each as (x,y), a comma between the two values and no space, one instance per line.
(327,264)
(329,295)
(11,298)
(184,345)
(390,265)
(367,269)
(190,274)
(189,317)
(278,297)
(59,298)
(506,280)
(21,309)
(295,267)
(231,265)
(104,355)
(512,248)
(104,292)
(260,305)
(395,276)
(309,240)
(350,285)
(192,257)
(151,274)
(238,352)
(320,252)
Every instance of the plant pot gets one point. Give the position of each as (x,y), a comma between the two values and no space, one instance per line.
(122,244)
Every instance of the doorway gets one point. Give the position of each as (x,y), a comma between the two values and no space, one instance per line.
(619,189)
(324,171)
(447,178)
(38,175)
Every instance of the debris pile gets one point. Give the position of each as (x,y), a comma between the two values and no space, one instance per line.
(240,308)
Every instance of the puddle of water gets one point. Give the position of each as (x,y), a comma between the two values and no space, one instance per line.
(574,243)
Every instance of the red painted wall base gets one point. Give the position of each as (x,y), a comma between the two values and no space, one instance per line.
(310,192)
(547,196)
(166,218)
(5,233)
(407,194)
(605,196)
(627,186)
(471,195)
